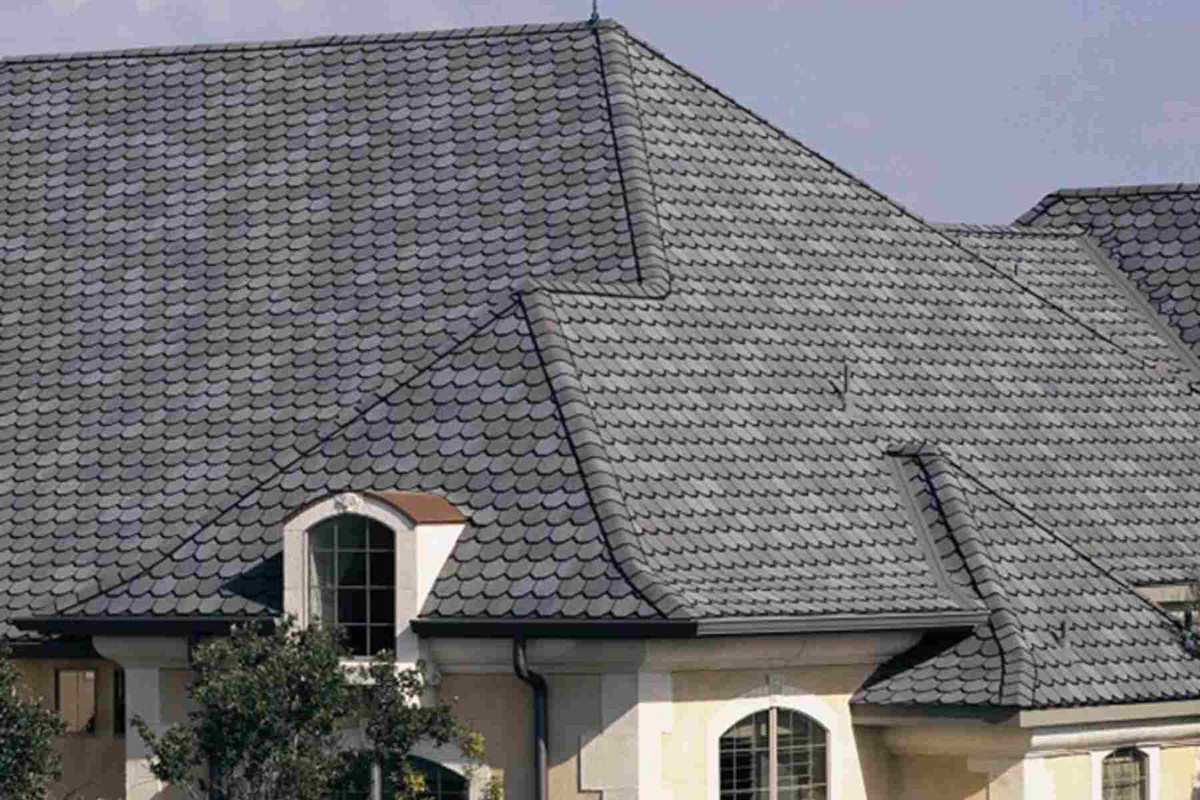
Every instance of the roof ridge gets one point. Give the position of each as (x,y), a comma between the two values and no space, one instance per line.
(633,163)
(332,40)
(591,454)
(1117,190)
(1018,667)
(479,321)
(1124,189)
(1010,229)
(775,127)
(891,201)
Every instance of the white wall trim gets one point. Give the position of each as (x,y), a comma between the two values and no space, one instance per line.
(1153,770)
(782,696)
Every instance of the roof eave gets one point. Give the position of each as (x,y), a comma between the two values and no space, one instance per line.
(132,626)
(494,628)
(491,628)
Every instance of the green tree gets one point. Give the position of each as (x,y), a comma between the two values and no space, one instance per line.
(273,705)
(29,763)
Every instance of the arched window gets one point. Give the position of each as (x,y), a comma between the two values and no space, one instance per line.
(774,754)
(440,783)
(1125,775)
(352,580)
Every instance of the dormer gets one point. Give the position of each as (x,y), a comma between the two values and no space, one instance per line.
(366,561)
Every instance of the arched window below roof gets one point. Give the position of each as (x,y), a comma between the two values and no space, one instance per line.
(774,754)
(1125,775)
(440,783)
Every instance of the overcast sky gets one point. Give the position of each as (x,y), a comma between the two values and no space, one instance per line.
(962,110)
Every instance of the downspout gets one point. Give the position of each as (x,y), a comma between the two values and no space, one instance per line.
(521,668)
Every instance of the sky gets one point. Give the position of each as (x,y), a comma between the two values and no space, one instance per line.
(962,110)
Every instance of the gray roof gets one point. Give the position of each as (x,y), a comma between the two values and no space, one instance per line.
(657,352)
(1152,233)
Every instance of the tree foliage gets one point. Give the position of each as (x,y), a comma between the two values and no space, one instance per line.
(29,763)
(278,717)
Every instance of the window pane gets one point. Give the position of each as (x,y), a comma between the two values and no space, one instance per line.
(119,701)
(380,537)
(322,569)
(1125,775)
(352,532)
(322,605)
(321,536)
(383,606)
(352,606)
(76,694)
(383,568)
(351,569)
(745,759)
(383,637)
(356,639)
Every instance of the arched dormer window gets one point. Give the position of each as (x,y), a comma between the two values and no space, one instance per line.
(352,580)
(774,754)
(336,567)
(1126,775)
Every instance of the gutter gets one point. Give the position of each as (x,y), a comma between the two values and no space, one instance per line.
(540,765)
(491,628)
(839,623)
(485,628)
(132,626)
(55,648)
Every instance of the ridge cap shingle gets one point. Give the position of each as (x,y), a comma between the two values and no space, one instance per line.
(1114,190)
(633,164)
(310,42)
(1010,229)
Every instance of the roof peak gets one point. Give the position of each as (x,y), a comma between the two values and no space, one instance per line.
(531,29)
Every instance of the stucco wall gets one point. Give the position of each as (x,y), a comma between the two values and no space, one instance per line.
(876,761)
(501,708)
(1070,776)
(941,777)
(1179,773)
(93,764)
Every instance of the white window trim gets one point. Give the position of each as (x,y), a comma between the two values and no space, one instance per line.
(808,704)
(296,546)
(1153,762)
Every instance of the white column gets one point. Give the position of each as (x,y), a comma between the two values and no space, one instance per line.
(143,659)
(655,717)
(142,701)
